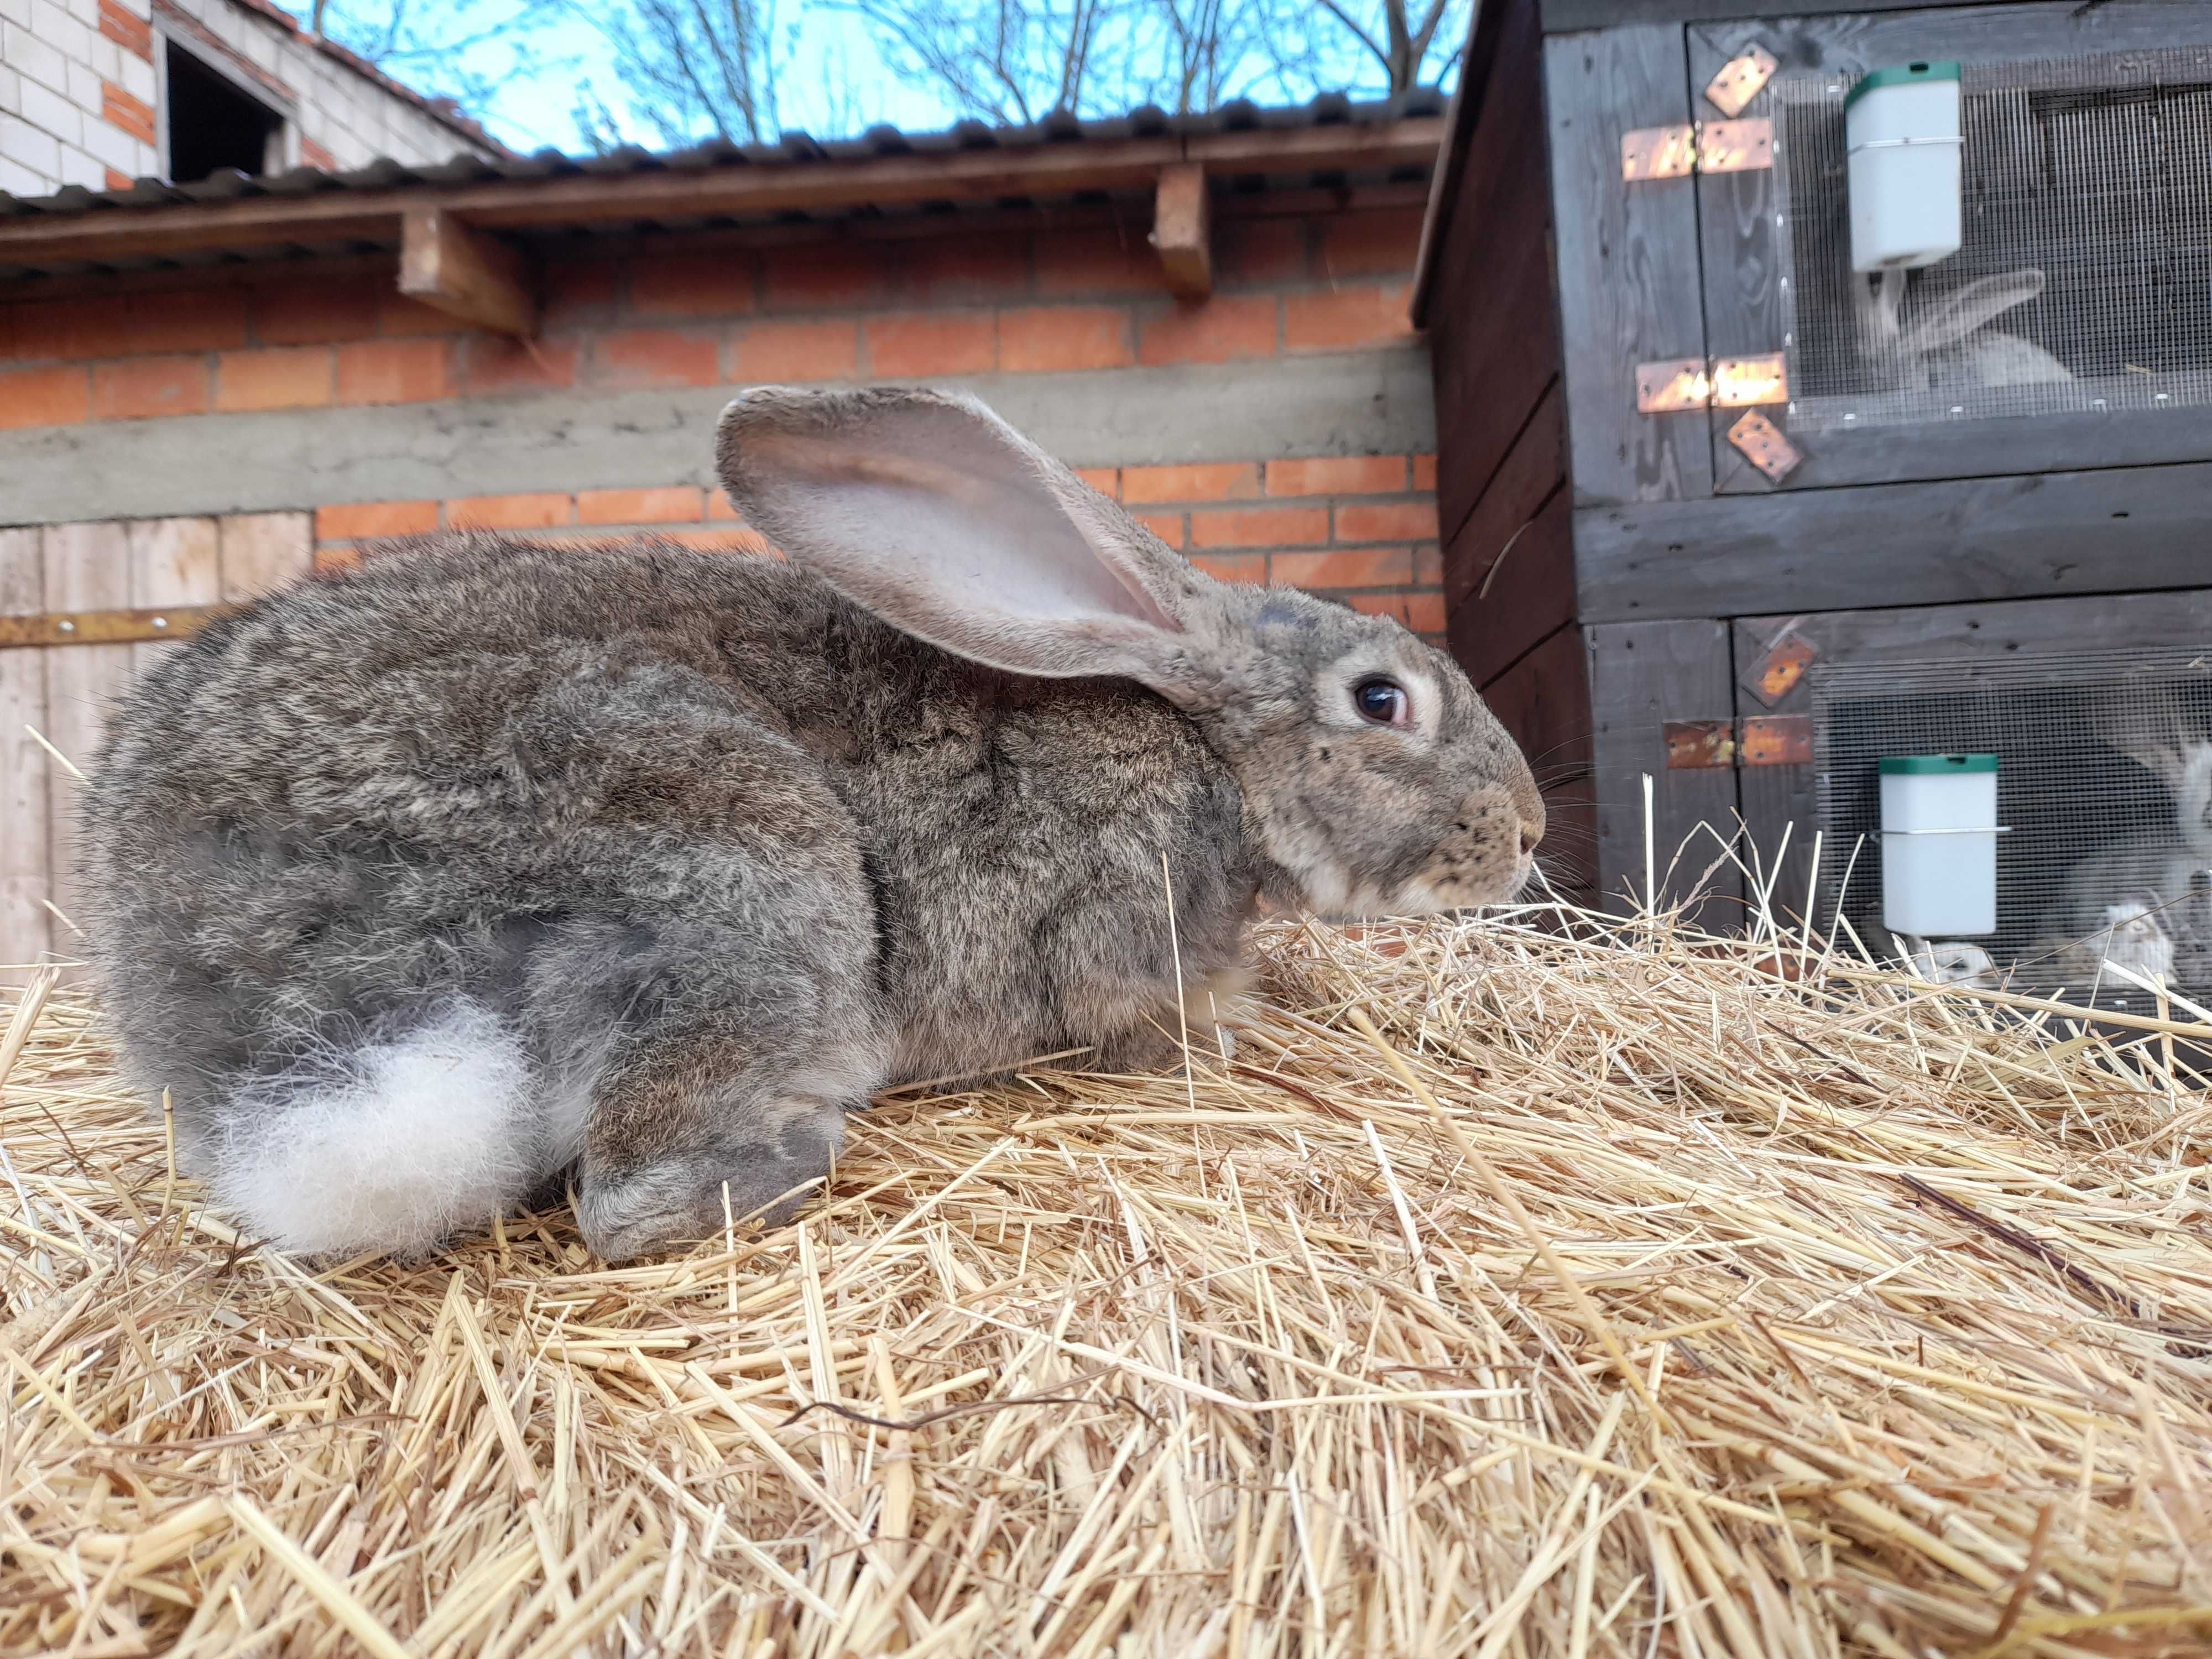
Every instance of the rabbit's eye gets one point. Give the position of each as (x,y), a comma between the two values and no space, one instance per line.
(1384,701)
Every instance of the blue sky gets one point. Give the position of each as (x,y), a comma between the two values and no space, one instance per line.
(836,80)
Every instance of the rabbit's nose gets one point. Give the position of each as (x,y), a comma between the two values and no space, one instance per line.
(1531,834)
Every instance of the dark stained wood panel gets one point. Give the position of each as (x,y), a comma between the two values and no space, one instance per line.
(1628,263)
(1641,675)
(1509,570)
(2045,535)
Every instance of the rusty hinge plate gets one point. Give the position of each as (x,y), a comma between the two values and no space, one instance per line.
(1740,79)
(1667,388)
(1777,672)
(1766,446)
(1676,152)
(1699,745)
(1776,740)
(172,622)
(1740,382)
(1756,740)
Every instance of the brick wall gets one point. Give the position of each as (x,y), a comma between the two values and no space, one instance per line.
(77,94)
(78,91)
(1079,299)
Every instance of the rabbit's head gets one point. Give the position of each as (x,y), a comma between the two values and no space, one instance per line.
(1374,777)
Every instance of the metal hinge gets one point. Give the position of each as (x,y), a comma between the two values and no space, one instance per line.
(1740,79)
(1676,152)
(1755,740)
(1680,383)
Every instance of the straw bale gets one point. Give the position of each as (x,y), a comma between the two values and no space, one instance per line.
(1509,1291)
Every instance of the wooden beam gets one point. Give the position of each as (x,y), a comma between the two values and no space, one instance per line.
(762,188)
(173,622)
(465,274)
(1182,230)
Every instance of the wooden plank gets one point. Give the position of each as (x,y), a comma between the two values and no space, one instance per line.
(1509,570)
(88,568)
(25,926)
(2050,534)
(755,188)
(1628,263)
(1182,231)
(173,561)
(1641,675)
(69,628)
(1544,700)
(1564,16)
(452,267)
(1494,340)
(263,553)
(1781,805)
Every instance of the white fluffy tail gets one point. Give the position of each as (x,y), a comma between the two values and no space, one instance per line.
(404,1141)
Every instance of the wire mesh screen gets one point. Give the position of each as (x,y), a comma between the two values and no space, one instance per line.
(2087,220)
(2104,784)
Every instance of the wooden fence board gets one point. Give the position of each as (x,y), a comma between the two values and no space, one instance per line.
(88,568)
(25,933)
(262,552)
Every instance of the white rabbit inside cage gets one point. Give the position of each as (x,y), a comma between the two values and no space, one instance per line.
(2083,279)
(2105,880)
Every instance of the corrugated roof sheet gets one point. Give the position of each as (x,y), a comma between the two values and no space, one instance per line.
(1332,109)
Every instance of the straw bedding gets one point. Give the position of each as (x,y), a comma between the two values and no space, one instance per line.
(1618,1295)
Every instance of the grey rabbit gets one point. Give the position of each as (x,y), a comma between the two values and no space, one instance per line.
(1951,348)
(491,866)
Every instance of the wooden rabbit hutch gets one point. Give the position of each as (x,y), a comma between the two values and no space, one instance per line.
(1722,510)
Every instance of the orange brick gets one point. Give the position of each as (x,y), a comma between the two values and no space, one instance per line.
(1221,481)
(401,317)
(1429,566)
(933,343)
(727,541)
(1233,567)
(1106,480)
(491,364)
(312,155)
(676,504)
(825,275)
(118,179)
(312,312)
(1387,521)
(125,113)
(128,30)
(579,292)
(395,371)
(1346,319)
(701,284)
(1047,338)
(1250,252)
(1422,613)
(278,377)
(540,511)
(1337,475)
(718,506)
(45,397)
(1218,331)
(1424,472)
(1345,567)
(1381,242)
(365,519)
(947,269)
(332,563)
(205,319)
(1168,526)
(1260,526)
(825,351)
(656,357)
(136,388)
(1103,260)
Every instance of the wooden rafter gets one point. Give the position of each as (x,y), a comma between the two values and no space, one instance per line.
(1182,230)
(466,274)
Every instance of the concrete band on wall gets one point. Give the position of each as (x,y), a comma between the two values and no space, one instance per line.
(1367,403)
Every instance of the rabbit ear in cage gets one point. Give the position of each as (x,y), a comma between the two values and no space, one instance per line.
(1974,307)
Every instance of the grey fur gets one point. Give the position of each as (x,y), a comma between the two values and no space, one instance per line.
(726,851)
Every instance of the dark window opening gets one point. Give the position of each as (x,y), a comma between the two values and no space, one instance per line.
(212,125)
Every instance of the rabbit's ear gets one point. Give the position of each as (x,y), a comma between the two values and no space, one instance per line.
(931,511)
(1957,315)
